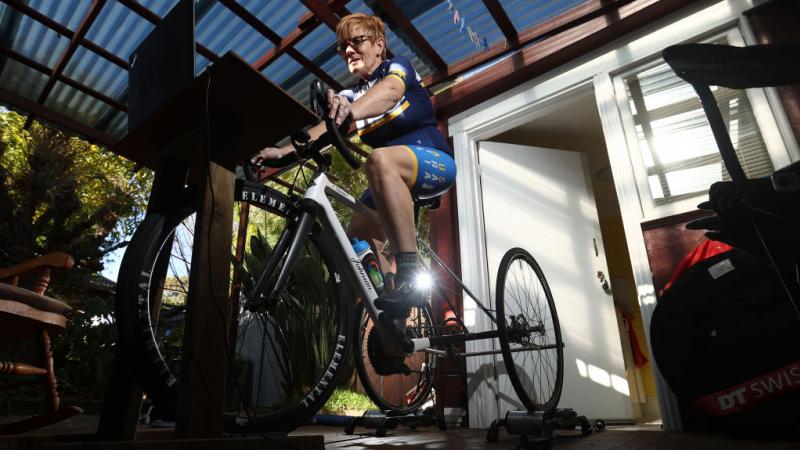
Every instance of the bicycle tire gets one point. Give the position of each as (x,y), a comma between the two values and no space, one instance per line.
(140,285)
(520,281)
(401,394)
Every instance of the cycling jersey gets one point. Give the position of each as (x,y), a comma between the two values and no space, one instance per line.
(409,122)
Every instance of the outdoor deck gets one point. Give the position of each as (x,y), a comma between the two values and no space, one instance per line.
(628,437)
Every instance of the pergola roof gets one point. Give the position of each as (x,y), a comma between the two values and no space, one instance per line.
(66,61)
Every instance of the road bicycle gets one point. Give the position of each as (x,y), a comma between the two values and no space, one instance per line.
(295,329)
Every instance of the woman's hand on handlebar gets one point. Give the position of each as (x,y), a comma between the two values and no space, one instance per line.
(339,107)
(257,168)
(269,154)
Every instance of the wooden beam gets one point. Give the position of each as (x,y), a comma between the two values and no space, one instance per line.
(80,32)
(565,21)
(92,134)
(323,12)
(76,39)
(311,20)
(66,80)
(308,23)
(501,19)
(268,33)
(413,34)
(552,52)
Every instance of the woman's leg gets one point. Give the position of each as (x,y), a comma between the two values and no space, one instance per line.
(391,172)
(364,227)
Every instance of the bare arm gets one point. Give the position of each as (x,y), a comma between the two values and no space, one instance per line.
(276,152)
(379,99)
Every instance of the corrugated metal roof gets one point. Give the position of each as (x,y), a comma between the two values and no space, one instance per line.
(92,86)
(67,13)
(119,30)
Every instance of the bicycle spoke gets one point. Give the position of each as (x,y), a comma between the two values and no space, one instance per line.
(529,343)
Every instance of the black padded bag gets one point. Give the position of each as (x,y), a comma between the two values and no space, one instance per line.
(709,334)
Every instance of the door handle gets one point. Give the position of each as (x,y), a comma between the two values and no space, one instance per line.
(601,277)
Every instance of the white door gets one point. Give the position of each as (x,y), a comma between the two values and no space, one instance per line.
(540,199)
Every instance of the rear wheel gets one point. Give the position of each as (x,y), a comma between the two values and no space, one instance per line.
(530,336)
(288,354)
(398,393)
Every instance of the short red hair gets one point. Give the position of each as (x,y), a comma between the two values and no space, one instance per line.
(372,26)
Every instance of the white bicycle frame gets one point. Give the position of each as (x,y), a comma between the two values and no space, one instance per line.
(317,194)
(316,207)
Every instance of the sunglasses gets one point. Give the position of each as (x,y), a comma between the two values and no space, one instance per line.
(354,42)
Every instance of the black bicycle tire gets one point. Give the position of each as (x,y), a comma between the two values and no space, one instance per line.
(152,371)
(133,337)
(508,360)
(361,360)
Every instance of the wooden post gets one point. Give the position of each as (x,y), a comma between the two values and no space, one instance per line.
(205,349)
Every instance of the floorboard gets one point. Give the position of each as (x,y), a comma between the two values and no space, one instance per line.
(618,438)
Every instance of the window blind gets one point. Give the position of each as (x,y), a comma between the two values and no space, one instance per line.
(675,139)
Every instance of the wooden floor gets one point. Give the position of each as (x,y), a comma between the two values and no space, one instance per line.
(464,439)
(631,437)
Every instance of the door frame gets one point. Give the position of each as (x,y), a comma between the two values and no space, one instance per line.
(527,101)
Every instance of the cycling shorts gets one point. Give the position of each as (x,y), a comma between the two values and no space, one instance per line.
(434,174)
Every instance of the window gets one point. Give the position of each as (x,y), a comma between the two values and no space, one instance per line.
(671,141)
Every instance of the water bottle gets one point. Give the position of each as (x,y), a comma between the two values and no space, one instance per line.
(370,263)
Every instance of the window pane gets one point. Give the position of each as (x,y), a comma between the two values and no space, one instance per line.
(676,144)
(694,180)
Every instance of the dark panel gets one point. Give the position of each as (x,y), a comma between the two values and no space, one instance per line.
(162,65)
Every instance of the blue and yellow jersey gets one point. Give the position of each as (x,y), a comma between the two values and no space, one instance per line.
(409,122)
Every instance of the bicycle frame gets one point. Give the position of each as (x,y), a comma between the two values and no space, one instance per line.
(314,206)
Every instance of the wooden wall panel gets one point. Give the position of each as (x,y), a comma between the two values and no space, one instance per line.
(668,242)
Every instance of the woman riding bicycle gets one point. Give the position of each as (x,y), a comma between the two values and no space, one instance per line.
(411,158)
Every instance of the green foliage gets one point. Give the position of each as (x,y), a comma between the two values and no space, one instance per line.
(83,352)
(60,193)
(347,402)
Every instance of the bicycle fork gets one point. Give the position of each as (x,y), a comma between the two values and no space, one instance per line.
(292,238)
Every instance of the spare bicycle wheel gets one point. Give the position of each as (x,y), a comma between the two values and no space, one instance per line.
(530,336)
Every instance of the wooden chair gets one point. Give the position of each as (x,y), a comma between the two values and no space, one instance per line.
(29,314)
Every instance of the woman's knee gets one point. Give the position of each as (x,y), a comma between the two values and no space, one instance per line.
(365,228)
(378,163)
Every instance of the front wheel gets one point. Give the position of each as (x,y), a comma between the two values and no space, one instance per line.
(530,336)
(287,357)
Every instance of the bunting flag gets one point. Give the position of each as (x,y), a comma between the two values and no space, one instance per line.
(461,22)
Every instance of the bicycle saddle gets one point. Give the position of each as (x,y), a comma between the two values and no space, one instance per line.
(735,67)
